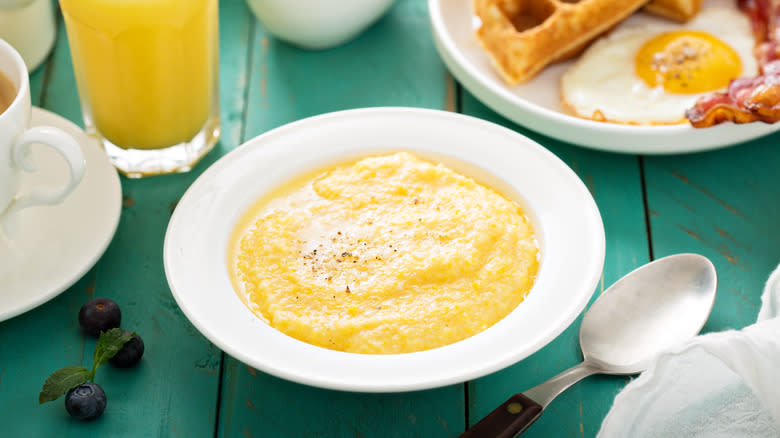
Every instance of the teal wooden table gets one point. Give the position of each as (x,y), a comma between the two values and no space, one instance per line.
(722,204)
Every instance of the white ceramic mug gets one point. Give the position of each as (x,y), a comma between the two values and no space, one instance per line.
(16,138)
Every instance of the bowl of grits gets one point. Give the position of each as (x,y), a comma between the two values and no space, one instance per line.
(384,249)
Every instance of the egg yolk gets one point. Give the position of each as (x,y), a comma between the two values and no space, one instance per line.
(687,62)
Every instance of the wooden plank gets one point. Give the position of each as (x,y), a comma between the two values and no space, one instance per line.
(393,63)
(36,343)
(21,376)
(614,180)
(256,404)
(174,391)
(723,204)
(37,80)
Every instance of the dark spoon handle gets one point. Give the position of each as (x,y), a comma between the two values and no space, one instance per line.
(508,420)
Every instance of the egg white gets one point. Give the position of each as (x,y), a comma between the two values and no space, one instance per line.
(603,85)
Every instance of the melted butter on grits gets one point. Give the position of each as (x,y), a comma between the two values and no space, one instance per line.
(390,254)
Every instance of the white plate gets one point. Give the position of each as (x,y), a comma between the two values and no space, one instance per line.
(53,246)
(536,104)
(564,214)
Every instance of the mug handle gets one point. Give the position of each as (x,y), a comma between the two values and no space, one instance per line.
(60,142)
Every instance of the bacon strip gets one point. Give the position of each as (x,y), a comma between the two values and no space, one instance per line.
(749,99)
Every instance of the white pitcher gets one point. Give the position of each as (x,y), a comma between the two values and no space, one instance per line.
(29,26)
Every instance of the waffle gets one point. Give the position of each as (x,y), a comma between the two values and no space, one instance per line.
(680,10)
(524,36)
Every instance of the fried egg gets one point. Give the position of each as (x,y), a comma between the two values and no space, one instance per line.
(652,74)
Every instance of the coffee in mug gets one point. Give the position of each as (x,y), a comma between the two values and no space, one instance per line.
(7,92)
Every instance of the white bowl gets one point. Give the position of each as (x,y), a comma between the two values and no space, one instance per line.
(565,217)
(317,24)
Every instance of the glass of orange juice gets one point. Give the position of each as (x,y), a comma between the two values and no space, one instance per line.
(147,75)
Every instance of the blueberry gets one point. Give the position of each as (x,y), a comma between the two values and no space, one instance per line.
(86,401)
(130,353)
(99,315)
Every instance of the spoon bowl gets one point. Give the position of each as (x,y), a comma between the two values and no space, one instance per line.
(649,310)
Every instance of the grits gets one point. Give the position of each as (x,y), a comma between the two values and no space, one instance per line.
(390,254)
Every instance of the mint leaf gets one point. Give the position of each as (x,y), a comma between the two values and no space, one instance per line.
(108,344)
(62,381)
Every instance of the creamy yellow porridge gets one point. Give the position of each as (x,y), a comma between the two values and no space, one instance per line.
(389,254)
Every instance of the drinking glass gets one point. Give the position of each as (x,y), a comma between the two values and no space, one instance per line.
(147,76)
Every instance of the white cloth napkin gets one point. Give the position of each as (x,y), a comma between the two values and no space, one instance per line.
(724,384)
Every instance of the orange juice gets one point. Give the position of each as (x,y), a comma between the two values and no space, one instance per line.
(146,69)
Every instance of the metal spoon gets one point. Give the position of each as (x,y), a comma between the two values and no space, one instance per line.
(647,311)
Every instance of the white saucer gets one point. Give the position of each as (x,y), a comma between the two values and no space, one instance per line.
(53,246)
